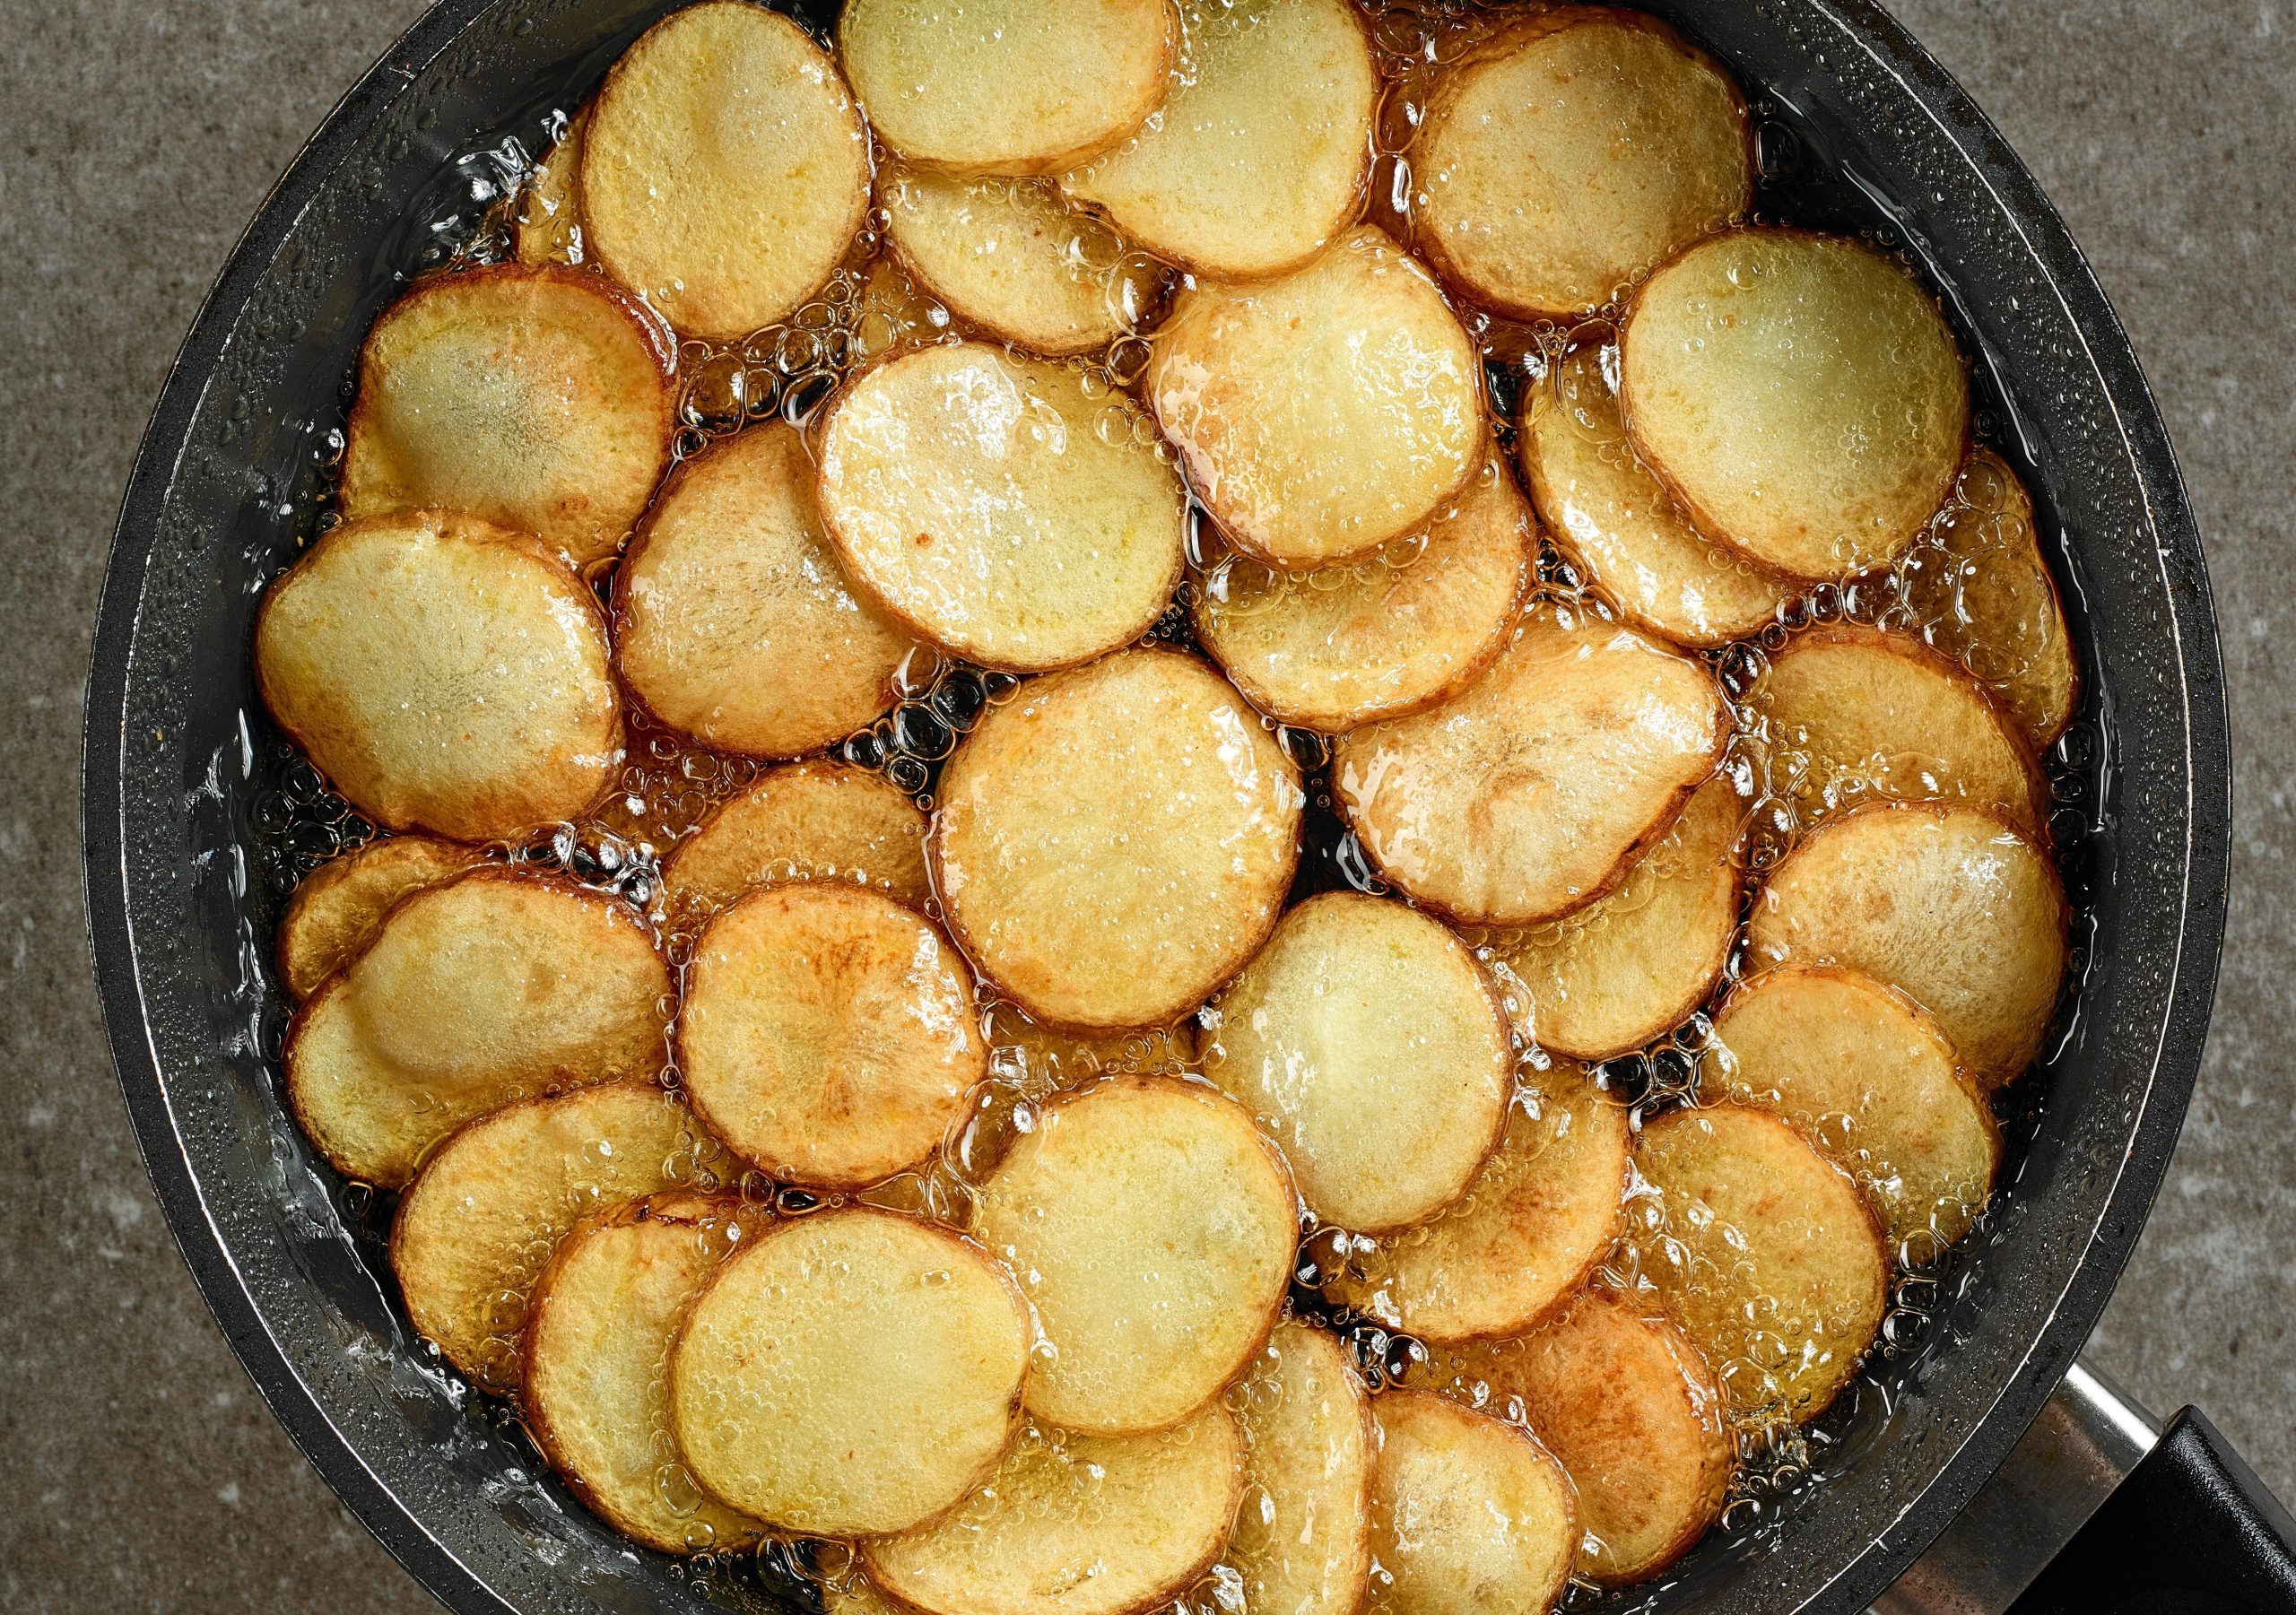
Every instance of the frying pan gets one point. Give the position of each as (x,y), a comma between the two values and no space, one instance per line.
(1861,130)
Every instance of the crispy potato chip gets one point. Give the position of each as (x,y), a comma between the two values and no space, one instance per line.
(1307,1423)
(1470,1516)
(814,820)
(337,905)
(548,226)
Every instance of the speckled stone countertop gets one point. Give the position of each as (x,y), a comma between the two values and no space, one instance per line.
(138,1472)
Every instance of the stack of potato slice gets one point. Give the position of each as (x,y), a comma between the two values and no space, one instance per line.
(981,1128)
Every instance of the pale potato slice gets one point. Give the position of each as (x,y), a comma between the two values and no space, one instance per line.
(548,225)
(815,820)
(1763,1251)
(1153,1229)
(1302,1541)
(1344,646)
(1619,523)
(724,169)
(1629,965)
(1533,1222)
(1007,86)
(733,621)
(599,1329)
(1114,843)
(1567,155)
(1366,1042)
(1470,1516)
(1849,713)
(1076,1525)
(1256,159)
(1952,907)
(852,1372)
(444,674)
(828,1034)
(1981,591)
(484,1218)
(490,987)
(1325,413)
(893,315)
(1002,507)
(1799,395)
(537,398)
(1532,791)
(1868,1077)
(337,905)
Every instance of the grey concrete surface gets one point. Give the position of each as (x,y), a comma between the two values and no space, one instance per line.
(138,1470)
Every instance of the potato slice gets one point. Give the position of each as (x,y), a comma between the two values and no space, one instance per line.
(1763,1251)
(443,674)
(1302,1543)
(1114,843)
(1619,523)
(534,398)
(733,621)
(1325,412)
(1850,714)
(1568,154)
(492,986)
(1981,591)
(856,1596)
(1366,1042)
(1532,791)
(1952,907)
(598,1332)
(1629,965)
(1256,159)
(1007,86)
(337,905)
(1800,394)
(815,820)
(1868,1077)
(1543,1211)
(1076,1525)
(484,1218)
(852,1372)
(1153,1229)
(548,226)
(1001,507)
(828,1034)
(1344,646)
(1470,1516)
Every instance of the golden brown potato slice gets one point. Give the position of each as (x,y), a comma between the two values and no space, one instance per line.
(1850,714)
(338,905)
(1869,1079)
(828,1034)
(1344,646)
(1001,506)
(1567,155)
(548,227)
(1076,1525)
(1325,413)
(1981,591)
(1629,965)
(733,621)
(1470,1516)
(1621,523)
(815,820)
(1302,1543)
(443,674)
(492,986)
(598,1332)
(1763,1251)
(534,398)
(724,169)
(1114,844)
(1800,394)
(486,1215)
(1532,791)
(1543,1211)
(1153,1229)
(893,314)
(1952,907)
(1007,86)
(1256,159)
(1366,1042)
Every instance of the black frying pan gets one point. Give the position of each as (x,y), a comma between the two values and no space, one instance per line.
(1862,131)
